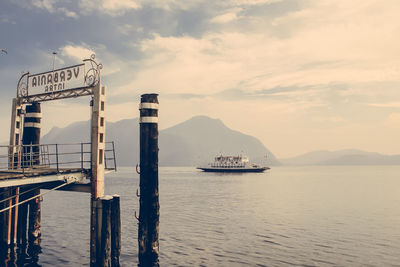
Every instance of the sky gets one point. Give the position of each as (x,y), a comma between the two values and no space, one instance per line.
(300,75)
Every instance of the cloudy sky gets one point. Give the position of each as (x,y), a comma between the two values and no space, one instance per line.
(299,75)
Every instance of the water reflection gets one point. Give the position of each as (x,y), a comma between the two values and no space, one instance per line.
(21,255)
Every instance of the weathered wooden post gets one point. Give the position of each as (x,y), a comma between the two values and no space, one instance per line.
(22,219)
(31,142)
(115,231)
(13,217)
(107,231)
(149,197)
(5,221)
(105,247)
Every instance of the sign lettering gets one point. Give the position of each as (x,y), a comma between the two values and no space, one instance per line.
(57,80)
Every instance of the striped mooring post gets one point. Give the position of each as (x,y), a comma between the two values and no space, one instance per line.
(31,141)
(149,212)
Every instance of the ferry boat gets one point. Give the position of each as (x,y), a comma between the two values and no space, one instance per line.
(232,164)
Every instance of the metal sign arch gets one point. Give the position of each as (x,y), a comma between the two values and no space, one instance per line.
(68,82)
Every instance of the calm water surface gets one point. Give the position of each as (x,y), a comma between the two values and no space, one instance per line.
(300,216)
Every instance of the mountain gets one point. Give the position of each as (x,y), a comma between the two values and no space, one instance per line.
(77,132)
(201,138)
(342,157)
(190,143)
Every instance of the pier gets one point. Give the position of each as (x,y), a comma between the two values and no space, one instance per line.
(27,166)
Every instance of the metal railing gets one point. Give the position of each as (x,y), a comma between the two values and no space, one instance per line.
(53,156)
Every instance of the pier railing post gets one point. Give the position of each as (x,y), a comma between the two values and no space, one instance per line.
(149,196)
(57,158)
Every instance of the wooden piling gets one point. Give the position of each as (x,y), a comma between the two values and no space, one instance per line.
(5,220)
(95,230)
(105,251)
(149,214)
(115,231)
(10,219)
(22,226)
(34,227)
(104,233)
(22,220)
(2,221)
(15,192)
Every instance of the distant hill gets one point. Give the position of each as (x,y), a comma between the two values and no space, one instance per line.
(342,157)
(201,138)
(195,141)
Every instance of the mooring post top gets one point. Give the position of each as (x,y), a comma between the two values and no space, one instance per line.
(149,98)
(152,95)
(33,107)
(106,197)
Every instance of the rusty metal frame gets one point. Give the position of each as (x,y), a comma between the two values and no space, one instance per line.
(70,93)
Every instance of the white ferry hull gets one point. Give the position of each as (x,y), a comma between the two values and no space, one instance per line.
(217,169)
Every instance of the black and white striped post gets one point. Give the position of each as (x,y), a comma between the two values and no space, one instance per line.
(149,213)
(31,142)
(31,135)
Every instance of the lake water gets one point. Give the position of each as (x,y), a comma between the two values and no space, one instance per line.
(287,216)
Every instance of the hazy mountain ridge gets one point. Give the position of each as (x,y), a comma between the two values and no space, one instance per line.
(190,143)
(342,157)
(204,138)
(197,140)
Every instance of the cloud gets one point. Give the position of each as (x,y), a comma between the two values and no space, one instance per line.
(248,2)
(323,50)
(386,105)
(6,19)
(109,7)
(45,4)
(226,17)
(305,66)
(67,13)
(76,52)
(120,4)
(120,7)
(51,6)
(111,64)
(393,120)
(316,80)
